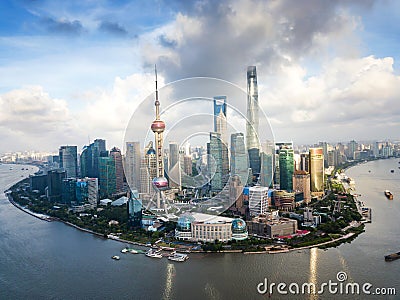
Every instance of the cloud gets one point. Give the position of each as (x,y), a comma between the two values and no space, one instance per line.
(112,28)
(31,118)
(63,26)
(219,39)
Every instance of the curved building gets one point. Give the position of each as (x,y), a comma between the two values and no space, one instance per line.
(239,230)
(252,138)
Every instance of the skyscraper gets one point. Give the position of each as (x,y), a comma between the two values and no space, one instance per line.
(286,168)
(301,184)
(220,126)
(135,209)
(107,179)
(252,138)
(116,156)
(89,159)
(215,161)
(132,164)
(174,171)
(317,172)
(68,156)
(54,184)
(267,163)
(239,158)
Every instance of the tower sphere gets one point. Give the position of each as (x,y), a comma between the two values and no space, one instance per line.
(158,126)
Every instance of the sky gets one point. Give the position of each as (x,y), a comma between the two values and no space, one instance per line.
(72,71)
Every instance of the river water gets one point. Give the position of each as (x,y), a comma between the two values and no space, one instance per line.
(50,260)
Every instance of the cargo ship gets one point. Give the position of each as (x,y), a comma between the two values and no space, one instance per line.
(389,195)
(393,256)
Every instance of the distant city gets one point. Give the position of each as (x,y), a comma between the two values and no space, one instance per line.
(220,185)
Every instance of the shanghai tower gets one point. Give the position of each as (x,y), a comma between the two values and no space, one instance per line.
(252,139)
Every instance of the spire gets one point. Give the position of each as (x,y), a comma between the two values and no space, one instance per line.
(157,103)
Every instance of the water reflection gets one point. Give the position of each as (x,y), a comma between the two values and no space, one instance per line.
(313,271)
(169,281)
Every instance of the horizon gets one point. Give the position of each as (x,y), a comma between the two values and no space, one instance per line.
(326,72)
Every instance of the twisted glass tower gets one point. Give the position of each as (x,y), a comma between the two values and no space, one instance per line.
(252,140)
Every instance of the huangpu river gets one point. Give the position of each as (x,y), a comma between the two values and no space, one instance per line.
(50,260)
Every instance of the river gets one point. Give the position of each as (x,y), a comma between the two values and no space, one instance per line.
(50,260)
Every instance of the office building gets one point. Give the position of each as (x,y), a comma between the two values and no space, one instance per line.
(69,191)
(239,158)
(317,172)
(220,126)
(132,164)
(68,160)
(286,168)
(135,207)
(54,185)
(215,162)
(116,156)
(258,200)
(301,184)
(252,137)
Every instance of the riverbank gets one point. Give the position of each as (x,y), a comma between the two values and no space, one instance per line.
(143,239)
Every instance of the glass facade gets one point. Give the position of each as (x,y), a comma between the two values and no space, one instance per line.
(239,158)
(286,168)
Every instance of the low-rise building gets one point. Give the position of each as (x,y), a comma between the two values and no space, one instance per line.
(272,227)
(200,227)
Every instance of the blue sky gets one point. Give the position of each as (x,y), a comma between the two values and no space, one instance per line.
(73,69)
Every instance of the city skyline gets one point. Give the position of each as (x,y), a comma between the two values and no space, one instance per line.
(338,72)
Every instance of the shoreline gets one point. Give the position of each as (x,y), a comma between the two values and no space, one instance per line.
(50,219)
(287,250)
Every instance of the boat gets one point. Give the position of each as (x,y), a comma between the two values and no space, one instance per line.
(392,256)
(116,257)
(389,195)
(153,254)
(178,257)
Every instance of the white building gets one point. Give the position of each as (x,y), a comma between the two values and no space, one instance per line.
(258,200)
(200,227)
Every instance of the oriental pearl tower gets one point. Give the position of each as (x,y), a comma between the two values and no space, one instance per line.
(160,183)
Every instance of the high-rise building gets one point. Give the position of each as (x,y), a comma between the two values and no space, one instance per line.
(69,191)
(215,161)
(352,147)
(304,161)
(239,158)
(89,159)
(252,137)
(266,176)
(107,179)
(324,146)
(220,121)
(135,209)
(258,200)
(173,154)
(174,168)
(87,191)
(267,163)
(220,126)
(286,168)
(68,156)
(132,164)
(236,192)
(54,185)
(301,184)
(116,156)
(317,172)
